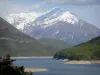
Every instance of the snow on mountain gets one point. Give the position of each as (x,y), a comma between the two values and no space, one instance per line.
(54,23)
(19,20)
(53,16)
(68,17)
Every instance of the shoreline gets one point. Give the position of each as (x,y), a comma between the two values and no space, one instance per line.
(82,62)
(32,57)
(35,69)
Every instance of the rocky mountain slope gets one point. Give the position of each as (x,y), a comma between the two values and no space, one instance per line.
(56,24)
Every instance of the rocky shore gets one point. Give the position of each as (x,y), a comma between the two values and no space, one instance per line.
(35,69)
(82,62)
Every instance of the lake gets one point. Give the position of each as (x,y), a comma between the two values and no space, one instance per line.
(56,67)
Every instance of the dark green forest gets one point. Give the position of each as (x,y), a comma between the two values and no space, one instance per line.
(85,51)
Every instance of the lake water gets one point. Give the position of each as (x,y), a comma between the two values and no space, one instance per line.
(58,67)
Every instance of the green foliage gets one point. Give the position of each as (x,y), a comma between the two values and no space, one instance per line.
(7,68)
(85,51)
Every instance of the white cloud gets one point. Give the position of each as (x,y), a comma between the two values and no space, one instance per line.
(36,6)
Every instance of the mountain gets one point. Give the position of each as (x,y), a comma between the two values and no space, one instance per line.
(22,19)
(55,43)
(56,24)
(16,43)
(85,51)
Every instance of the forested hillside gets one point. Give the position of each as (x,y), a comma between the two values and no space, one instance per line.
(85,51)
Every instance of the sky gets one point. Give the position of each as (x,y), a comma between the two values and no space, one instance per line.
(87,10)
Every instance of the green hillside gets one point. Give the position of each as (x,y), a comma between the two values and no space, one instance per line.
(85,51)
(16,43)
(55,43)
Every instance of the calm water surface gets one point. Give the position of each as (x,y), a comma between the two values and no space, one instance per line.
(58,67)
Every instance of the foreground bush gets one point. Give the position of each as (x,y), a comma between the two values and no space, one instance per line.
(8,68)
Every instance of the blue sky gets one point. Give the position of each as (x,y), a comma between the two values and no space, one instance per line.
(88,10)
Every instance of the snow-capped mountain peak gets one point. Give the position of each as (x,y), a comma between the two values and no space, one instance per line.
(55,15)
(52,11)
(49,14)
(22,20)
(19,20)
(54,23)
(70,18)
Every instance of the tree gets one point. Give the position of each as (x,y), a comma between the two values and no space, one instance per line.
(6,67)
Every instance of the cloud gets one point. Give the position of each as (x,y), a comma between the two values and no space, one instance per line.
(89,2)
(36,6)
(97,6)
(6,7)
(58,1)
